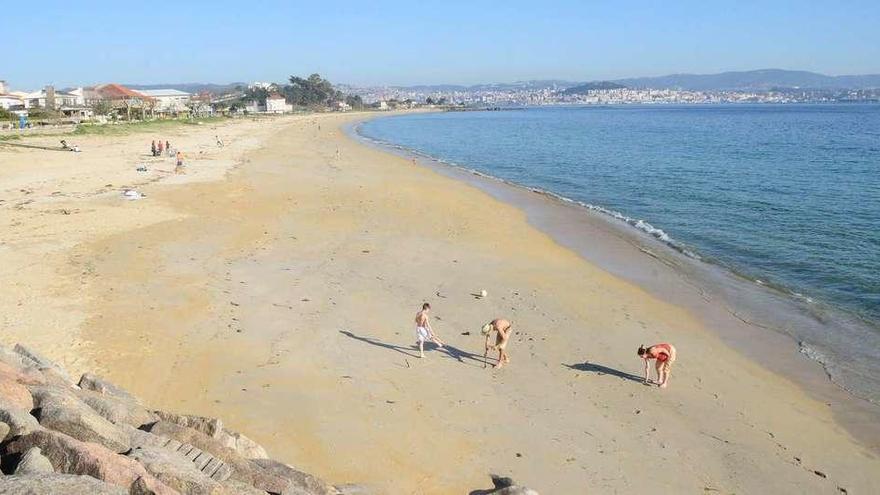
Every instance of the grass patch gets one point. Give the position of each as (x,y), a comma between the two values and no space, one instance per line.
(140,127)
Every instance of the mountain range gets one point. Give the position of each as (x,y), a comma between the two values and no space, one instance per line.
(753,80)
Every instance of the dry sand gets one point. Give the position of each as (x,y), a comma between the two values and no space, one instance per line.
(275,284)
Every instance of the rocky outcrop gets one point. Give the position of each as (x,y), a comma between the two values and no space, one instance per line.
(45,484)
(63,411)
(58,436)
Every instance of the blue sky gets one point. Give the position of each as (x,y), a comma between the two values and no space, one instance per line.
(412,42)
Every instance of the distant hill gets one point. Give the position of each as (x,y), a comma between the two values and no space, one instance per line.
(592,86)
(193,88)
(764,79)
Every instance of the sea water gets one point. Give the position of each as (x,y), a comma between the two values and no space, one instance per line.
(785,195)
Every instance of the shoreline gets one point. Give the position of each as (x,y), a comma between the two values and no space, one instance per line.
(279,296)
(746,321)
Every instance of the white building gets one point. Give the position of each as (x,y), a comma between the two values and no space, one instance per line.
(276,103)
(8,101)
(63,99)
(168,100)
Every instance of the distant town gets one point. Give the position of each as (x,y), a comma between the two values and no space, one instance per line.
(119,102)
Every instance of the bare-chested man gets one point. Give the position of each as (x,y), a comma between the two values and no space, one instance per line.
(424,331)
(502,329)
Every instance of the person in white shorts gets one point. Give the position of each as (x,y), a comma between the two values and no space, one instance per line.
(424,331)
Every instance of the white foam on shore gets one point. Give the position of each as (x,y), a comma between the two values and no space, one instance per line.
(637,223)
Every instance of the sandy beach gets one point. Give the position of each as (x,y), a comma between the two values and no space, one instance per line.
(275,284)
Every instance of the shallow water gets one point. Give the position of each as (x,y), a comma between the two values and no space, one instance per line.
(787,195)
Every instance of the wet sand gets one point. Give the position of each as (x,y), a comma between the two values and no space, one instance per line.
(279,294)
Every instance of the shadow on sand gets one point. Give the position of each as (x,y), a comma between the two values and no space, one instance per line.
(411,351)
(604,370)
(407,351)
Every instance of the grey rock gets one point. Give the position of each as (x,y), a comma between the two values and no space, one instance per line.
(141,438)
(242,444)
(45,364)
(18,420)
(97,384)
(33,462)
(209,426)
(63,411)
(71,456)
(116,409)
(16,360)
(240,488)
(242,469)
(354,489)
(4,431)
(175,470)
(57,484)
(300,483)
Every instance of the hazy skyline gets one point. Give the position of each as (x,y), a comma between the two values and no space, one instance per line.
(406,43)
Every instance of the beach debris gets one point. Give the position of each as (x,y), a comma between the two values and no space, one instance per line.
(131,194)
(483,293)
(142,168)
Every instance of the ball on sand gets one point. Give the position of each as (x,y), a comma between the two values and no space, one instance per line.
(483,293)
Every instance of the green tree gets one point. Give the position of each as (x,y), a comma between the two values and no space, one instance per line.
(355,101)
(311,92)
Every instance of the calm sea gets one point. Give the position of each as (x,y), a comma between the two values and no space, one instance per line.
(785,194)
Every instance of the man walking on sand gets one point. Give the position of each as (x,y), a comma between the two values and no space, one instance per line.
(665,356)
(424,331)
(502,328)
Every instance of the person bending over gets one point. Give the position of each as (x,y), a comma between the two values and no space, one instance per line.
(665,356)
(502,329)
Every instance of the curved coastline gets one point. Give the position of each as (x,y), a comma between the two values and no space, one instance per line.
(739,308)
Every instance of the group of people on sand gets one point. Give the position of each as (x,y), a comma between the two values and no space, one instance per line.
(158,148)
(663,354)
(501,327)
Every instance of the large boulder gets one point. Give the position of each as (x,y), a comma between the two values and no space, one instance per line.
(117,410)
(53,372)
(15,394)
(57,484)
(209,426)
(26,375)
(33,462)
(71,456)
(175,470)
(300,483)
(242,444)
(97,384)
(19,420)
(63,411)
(242,469)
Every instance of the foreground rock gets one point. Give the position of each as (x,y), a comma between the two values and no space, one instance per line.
(41,484)
(242,469)
(63,411)
(71,456)
(93,437)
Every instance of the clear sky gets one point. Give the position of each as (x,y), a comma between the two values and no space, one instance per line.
(413,42)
